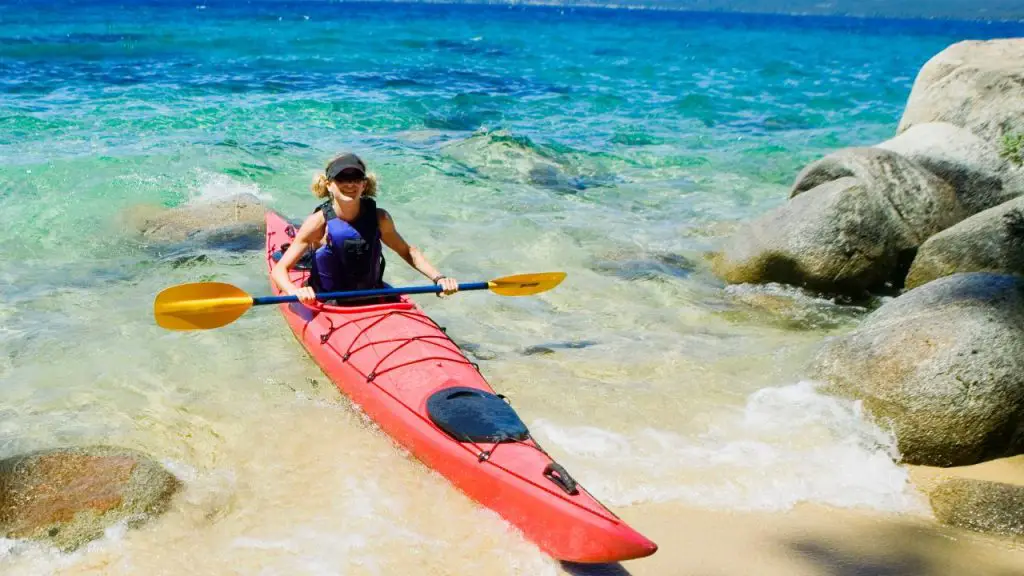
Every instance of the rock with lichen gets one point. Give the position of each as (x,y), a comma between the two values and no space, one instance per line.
(942,366)
(980,505)
(977,85)
(68,497)
(991,241)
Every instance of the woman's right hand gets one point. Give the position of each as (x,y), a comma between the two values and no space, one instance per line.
(305,293)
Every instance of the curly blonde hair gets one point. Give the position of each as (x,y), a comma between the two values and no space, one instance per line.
(320,183)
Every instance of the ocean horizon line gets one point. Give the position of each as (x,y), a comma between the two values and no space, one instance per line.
(812,10)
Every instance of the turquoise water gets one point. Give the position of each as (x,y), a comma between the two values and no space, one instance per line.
(618,146)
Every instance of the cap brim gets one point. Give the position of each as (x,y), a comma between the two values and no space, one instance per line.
(350,172)
(348,163)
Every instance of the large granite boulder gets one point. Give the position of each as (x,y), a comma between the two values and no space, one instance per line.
(978,85)
(991,241)
(942,365)
(974,167)
(852,225)
(917,202)
(839,239)
(980,505)
(68,497)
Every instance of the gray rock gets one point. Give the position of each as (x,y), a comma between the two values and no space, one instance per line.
(981,177)
(918,203)
(838,238)
(991,241)
(942,365)
(655,267)
(233,238)
(552,177)
(978,85)
(181,223)
(476,351)
(68,497)
(979,505)
(504,156)
(550,347)
(787,308)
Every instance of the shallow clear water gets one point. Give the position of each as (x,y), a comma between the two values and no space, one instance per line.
(617,146)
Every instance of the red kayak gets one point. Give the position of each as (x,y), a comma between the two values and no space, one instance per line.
(401,368)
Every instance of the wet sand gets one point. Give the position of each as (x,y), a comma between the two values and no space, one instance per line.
(813,540)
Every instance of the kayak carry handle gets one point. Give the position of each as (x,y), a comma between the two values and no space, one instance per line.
(557,474)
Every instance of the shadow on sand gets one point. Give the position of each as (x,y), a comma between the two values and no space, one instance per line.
(900,550)
(614,569)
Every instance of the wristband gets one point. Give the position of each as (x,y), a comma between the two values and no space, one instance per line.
(437,278)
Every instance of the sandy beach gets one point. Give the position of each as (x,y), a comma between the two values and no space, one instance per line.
(813,540)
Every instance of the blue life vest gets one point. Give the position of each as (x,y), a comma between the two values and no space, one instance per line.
(351,257)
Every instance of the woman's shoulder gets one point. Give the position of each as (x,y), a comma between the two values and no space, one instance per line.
(313,222)
(384,219)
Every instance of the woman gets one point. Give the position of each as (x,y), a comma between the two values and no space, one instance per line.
(346,233)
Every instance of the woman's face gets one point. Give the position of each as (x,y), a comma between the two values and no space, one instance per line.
(346,189)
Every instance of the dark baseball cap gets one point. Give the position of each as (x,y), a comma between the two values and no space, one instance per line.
(349,163)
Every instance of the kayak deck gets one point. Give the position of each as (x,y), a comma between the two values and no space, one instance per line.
(390,358)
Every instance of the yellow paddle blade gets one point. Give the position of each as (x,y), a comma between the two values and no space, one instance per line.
(526,284)
(200,306)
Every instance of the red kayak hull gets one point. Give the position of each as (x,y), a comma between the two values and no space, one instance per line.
(388,358)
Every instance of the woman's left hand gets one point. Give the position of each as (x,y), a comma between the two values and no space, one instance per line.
(448,285)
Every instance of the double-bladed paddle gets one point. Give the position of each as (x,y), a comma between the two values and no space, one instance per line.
(205,305)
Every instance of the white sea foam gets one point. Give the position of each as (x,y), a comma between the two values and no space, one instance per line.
(30,558)
(787,445)
(212,187)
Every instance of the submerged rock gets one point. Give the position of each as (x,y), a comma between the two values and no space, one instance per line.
(223,221)
(942,365)
(655,267)
(550,347)
(68,497)
(233,238)
(980,505)
(978,85)
(991,241)
(787,307)
(476,351)
(551,177)
(501,155)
